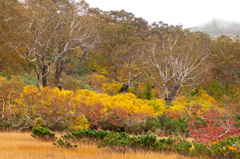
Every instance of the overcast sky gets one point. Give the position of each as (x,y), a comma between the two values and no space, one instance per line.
(186,12)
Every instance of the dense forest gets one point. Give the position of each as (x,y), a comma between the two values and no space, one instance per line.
(66,66)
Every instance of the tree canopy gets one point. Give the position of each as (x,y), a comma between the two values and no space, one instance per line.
(56,37)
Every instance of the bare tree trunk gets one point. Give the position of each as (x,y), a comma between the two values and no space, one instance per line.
(53,31)
(82,58)
(80,62)
(168,101)
(58,73)
(115,73)
(38,77)
(124,88)
(172,95)
(44,77)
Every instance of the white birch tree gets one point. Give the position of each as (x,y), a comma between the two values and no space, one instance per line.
(177,61)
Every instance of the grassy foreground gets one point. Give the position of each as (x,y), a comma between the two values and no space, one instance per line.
(23,146)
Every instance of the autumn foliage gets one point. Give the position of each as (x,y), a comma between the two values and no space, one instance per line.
(69,67)
(25,106)
(213,127)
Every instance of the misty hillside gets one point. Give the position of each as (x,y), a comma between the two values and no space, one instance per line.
(216,28)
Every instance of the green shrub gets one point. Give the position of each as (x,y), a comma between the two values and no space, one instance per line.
(238,121)
(87,134)
(136,128)
(116,141)
(43,133)
(164,125)
(63,143)
(229,148)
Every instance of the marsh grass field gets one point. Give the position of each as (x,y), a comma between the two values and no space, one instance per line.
(23,146)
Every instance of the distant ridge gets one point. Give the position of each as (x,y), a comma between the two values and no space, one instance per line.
(216,28)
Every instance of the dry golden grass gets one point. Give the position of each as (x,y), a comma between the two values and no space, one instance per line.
(23,146)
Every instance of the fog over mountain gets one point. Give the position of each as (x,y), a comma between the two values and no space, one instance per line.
(218,27)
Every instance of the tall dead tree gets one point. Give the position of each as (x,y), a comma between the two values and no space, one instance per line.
(129,60)
(177,61)
(53,29)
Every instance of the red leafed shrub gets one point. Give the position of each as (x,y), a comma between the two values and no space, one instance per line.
(93,112)
(118,117)
(174,114)
(212,127)
(138,116)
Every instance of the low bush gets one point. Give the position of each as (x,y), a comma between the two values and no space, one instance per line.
(89,134)
(229,148)
(63,143)
(164,125)
(122,142)
(43,134)
(136,127)
(213,127)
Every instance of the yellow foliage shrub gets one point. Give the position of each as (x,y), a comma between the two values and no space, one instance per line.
(80,122)
(131,103)
(112,88)
(179,104)
(135,105)
(98,80)
(9,91)
(202,103)
(204,96)
(104,84)
(127,101)
(38,122)
(53,104)
(158,105)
